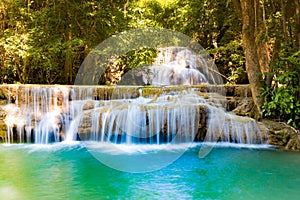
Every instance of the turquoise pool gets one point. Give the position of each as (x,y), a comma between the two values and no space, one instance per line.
(70,171)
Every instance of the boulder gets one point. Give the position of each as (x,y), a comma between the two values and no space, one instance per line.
(242,106)
(281,134)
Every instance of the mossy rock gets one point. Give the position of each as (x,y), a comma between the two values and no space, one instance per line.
(282,135)
(3,131)
(294,143)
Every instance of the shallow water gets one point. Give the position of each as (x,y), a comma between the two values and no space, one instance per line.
(70,171)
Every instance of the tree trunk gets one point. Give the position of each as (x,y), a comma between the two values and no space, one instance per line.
(261,33)
(68,61)
(250,49)
(283,17)
(297,12)
(237,6)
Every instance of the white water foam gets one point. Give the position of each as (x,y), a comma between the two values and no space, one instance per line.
(120,149)
(49,114)
(9,193)
(166,118)
(236,145)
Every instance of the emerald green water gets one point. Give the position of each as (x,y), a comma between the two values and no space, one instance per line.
(71,172)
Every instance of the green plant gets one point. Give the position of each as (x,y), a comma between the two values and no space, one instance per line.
(282,99)
(137,58)
(230,60)
(280,103)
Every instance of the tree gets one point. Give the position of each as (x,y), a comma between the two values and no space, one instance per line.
(270,34)
(249,13)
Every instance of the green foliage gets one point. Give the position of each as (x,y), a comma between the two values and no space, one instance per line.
(280,103)
(138,58)
(46,41)
(134,62)
(230,60)
(282,100)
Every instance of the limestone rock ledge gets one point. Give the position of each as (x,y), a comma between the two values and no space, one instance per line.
(3,128)
(238,101)
(281,134)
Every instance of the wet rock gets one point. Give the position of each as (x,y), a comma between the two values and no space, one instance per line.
(238,101)
(113,72)
(88,105)
(3,128)
(280,134)
(294,143)
(2,132)
(3,93)
(242,106)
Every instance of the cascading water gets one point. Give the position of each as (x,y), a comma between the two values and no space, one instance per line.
(179,66)
(130,114)
(50,114)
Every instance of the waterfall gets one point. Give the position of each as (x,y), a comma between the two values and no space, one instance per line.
(191,110)
(179,66)
(47,114)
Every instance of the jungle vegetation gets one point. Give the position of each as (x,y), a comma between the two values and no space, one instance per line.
(251,41)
